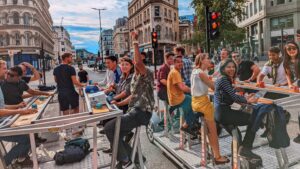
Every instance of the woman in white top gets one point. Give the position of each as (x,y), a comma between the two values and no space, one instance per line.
(200,83)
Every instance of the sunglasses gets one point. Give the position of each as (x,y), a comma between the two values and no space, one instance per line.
(291,48)
(11,74)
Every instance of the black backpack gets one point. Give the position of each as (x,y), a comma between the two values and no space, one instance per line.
(75,151)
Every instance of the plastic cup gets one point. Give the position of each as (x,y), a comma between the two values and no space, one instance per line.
(98,106)
(34,106)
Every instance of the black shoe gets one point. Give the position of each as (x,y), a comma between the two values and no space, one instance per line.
(247,153)
(122,164)
(102,132)
(129,137)
(107,151)
(297,139)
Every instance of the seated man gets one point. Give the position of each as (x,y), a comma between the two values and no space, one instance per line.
(23,144)
(274,69)
(176,90)
(113,72)
(13,87)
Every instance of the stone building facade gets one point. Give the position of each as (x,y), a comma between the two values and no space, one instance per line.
(24,26)
(121,37)
(159,15)
(62,41)
(108,43)
(263,22)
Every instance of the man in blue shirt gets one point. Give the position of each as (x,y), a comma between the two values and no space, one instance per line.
(113,72)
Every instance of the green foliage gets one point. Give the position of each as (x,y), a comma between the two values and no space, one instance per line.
(229,32)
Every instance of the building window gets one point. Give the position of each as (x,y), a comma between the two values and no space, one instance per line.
(171,34)
(156,11)
(158,30)
(18,39)
(4,2)
(251,9)
(247,13)
(62,49)
(280,2)
(259,5)
(167,33)
(166,12)
(2,40)
(26,19)
(175,17)
(25,2)
(6,21)
(16,18)
(62,43)
(27,39)
(282,22)
(15,2)
(255,7)
(170,14)
(7,39)
(175,36)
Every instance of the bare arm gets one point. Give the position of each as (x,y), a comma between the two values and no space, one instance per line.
(36,75)
(255,73)
(207,81)
(122,95)
(138,61)
(163,81)
(6,112)
(37,92)
(260,77)
(125,101)
(183,87)
(76,82)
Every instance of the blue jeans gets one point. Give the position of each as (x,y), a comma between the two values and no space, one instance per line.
(188,113)
(20,150)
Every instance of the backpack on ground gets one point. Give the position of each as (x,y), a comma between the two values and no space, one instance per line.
(75,151)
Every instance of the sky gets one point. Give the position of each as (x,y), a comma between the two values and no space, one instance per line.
(82,22)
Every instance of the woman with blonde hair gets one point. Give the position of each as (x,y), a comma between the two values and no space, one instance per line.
(200,83)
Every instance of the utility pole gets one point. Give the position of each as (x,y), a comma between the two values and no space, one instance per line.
(100,29)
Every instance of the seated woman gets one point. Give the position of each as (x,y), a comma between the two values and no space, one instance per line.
(122,89)
(225,95)
(201,103)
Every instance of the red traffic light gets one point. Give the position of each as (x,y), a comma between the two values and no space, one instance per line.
(215,15)
(154,34)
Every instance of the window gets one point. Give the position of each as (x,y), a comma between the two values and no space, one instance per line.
(27,39)
(259,5)
(25,2)
(167,33)
(251,9)
(171,34)
(156,11)
(255,6)
(62,49)
(247,13)
(279,22)
(15,2)
(62,43)
(166,12)
(4,2)
(280,2)
(16,18)
(175,36)
(6,21)
(2,40)
(158,29)
(18,39)
(175,16)
(7,39)
(170,14)
(26,19)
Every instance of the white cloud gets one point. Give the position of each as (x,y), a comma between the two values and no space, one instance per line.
(86,35)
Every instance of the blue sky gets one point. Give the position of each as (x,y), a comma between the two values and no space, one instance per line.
(83,23)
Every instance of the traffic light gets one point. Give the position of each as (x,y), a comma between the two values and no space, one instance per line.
(214,24)
(154,40)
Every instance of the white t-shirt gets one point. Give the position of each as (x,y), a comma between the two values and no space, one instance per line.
(198,87)
(281,76)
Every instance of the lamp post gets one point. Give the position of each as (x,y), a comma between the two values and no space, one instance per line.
(100,49)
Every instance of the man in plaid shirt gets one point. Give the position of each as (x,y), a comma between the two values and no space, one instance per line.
(187,65)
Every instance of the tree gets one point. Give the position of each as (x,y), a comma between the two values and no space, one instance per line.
(230,9)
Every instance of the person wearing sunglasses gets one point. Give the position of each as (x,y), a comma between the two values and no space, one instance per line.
(13,87)
(291,64)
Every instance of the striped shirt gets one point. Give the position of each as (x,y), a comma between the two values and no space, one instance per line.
(225,93)
(187,70)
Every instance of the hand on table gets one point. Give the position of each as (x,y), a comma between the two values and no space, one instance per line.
(115,103)
(247,81)
(22,105)
(251,99)
(29,111)
(277,85)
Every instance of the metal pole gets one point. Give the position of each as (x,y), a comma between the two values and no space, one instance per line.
(43,57)
(100,35)
(281,38)
(207,30)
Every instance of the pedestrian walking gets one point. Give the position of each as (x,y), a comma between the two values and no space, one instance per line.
(83,74)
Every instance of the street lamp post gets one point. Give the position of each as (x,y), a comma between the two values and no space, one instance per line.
(100,49)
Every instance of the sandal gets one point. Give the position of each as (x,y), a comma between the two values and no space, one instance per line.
(221,160)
